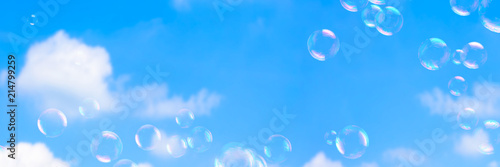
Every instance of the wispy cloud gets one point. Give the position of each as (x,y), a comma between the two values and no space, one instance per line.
(320,160)
(468,145)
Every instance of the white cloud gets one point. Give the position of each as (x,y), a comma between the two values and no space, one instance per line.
(372,164)
(320,160)
(61,71)
(31,155)
(484,99)
(144,165)
(493,164)
(469,144)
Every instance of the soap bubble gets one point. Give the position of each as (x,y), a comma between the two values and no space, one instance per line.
(106,147)
(456,59)
(352,142)
(389,21)
(433,53)
(125,163)
(467,118)
(464,7)
(353,5)
(457,85)
(235,155)
(474,55)
(277,148)
(200,139)
(323,44)
(369,15)
(52,122)
(147,137)
(378,2)
(184,118)
(330,137)
(89,108)
(490,17)
(176,146)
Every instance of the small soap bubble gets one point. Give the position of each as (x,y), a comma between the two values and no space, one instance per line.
(52,122)
(147,137)
(467,118)
(277,148)
(352,142)
(106,147)
(184,118)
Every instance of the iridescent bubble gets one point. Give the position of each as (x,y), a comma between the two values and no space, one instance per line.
(125,163)
(353,5)
(491,124)
(52,122)
(457,85)
(277,148)
(474,55)
(33,19)
(490,17)
(235,155)
(467,118)
(184,118)
(433,53)
(200,139)
(330,137)
(457,57)
(259,161)
(389,21)
(352,142)
(486,148)
(377,2)
(106,147)
(176,146)
(89,108)
(147,137)
(323,44)
(464,7)
(369,15)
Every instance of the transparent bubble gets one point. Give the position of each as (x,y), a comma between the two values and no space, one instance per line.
(378,2)
(259,161)
(491,124)
(147,137)
(457,57)
(33,19)
(474,55)
(457,85)
(490,17)
(433,53)
(200,139)
(176,146)
(235,155)
(352,142)
(353,5)
(389,21)
(369,15)
(106,147)
(277,148)
(467,118)
(52,122)
(330,137)
(89,108)
(323,44)
(464,7)
(486,148)
(125,163)
(184,118)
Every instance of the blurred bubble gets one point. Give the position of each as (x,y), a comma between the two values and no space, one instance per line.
(353,5)
(89,108)
(200,139)
(491,124)
(125,163)
(259,161)
(176,146)
(323,44)
(106,147)
(184,118)
(33,19)
(330,137)
(456,59)
(474,55)
(464,7)
(389,21)
(235,155)
(277,148)
(378,2)
(457,85)
(467,118)
(490,17)
(486,148)
(147,137)
(433,53)
(52,122)
(352,142)
(369,15)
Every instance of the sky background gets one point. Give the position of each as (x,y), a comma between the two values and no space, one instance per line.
(233,72)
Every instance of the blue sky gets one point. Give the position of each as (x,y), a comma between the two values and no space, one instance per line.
(234,72)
